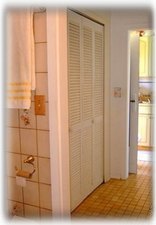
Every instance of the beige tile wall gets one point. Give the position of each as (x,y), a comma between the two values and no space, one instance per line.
(33,200)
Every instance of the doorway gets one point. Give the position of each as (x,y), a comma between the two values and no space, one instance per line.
(145,112)
(141,98)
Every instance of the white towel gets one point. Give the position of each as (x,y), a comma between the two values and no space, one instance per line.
(20,58)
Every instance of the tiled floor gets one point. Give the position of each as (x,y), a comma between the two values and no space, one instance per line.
(131,198)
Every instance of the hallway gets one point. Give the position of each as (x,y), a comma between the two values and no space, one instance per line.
(131,198)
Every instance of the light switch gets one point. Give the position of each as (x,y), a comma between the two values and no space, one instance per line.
(117,92)
(39,104)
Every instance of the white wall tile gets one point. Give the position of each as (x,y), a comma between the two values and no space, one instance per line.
(30,115)
(31,211)
(13,140)
(44,170)
(28,142)
(31,193)
(43,121)
(40,27)
(41,57)
(12,161)
(15,208)
(32,95)
(45,196)
(14,191)
(12,118)
(41,85)
(43,143)
(46,214)
(27,145)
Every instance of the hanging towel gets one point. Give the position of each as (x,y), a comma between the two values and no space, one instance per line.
(20,58)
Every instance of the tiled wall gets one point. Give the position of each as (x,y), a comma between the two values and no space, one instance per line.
(33,200)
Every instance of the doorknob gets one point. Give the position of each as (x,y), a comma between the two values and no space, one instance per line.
(132,100)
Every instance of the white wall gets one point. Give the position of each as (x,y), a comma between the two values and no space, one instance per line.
(121,22)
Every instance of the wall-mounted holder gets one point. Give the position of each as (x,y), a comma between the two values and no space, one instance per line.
(26,174)
(39,9)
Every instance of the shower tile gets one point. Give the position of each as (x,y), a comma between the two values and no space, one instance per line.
(12,118)
(46,214)
(13,140)
(45,196)
(28,118)
(40,27)
(28,142)
(12,161)
(14,191)
(41,57)
(15,208)
(32,95)
(44,171)
(41,85)
(31,211)
(22,140)
(31,193)
(43,143)
(43,121)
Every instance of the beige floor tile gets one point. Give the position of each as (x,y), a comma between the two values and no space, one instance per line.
(131,198)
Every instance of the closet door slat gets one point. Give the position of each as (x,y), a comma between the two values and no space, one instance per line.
(86,161)
(75,167)
(87,77)
(98,76)
(74,73)
(97,153)
(98,127)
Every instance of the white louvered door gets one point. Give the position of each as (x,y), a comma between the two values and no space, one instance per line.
(98,103)
(74,86)
(86,104)
(85,64)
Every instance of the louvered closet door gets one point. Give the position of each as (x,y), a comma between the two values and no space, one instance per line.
(85,60)
(86,104)
(98,103)
(74,86)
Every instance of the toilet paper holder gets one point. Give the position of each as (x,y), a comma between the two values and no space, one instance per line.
(22,173)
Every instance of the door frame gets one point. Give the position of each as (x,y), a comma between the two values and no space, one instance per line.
(58,111)
(127,28)
(133,156)
(133,101)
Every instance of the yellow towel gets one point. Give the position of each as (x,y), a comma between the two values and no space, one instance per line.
(20,58)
